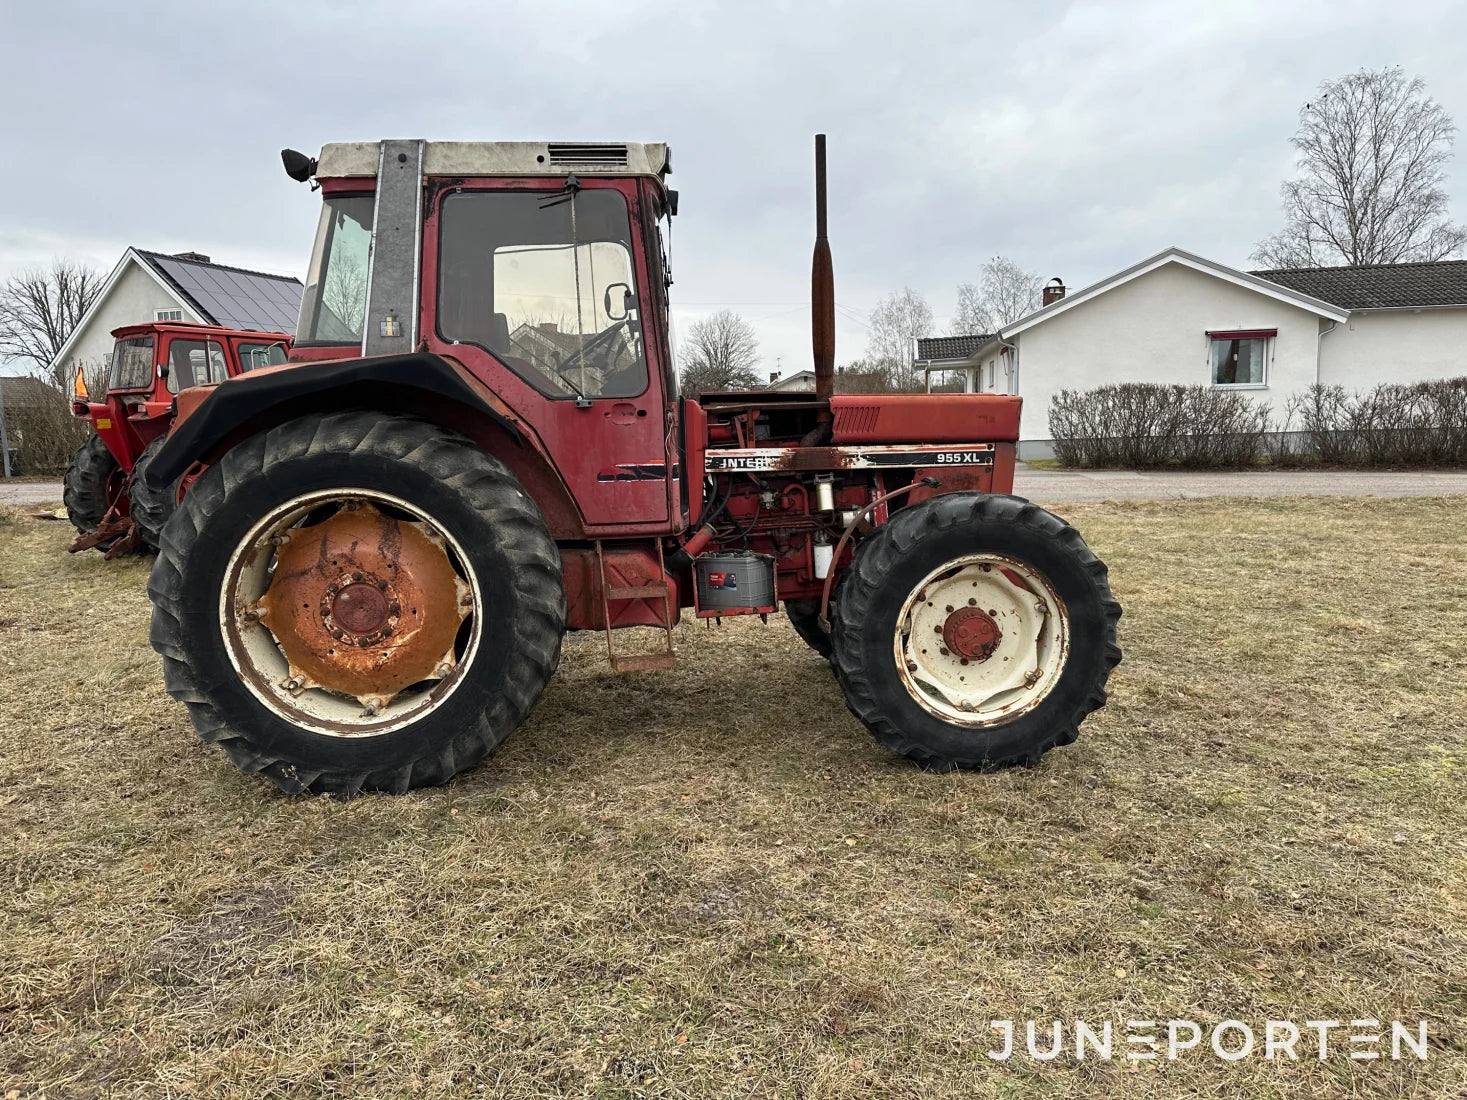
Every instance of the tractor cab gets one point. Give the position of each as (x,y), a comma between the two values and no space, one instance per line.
(533,269)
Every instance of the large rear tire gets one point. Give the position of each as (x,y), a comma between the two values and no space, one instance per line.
(151,508)
(91,486)
(357,602)
(974,631)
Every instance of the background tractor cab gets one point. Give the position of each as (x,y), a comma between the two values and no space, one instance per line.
(151,364)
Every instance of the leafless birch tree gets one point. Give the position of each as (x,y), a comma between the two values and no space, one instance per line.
(896,323)
(1373,147)
(1004,293)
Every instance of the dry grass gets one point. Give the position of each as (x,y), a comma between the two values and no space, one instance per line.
(712,881)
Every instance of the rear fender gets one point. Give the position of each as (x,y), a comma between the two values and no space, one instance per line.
(432,387)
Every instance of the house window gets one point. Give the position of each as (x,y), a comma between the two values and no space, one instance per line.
(168,315)
(1240,357)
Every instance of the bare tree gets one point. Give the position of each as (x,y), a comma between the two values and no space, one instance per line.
(719,353)
(1004,293)
(1372,153)
(39,308)
(896,323)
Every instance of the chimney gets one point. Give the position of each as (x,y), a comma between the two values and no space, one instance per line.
(197,257)
(549,326)
(773,377)
(1054,290)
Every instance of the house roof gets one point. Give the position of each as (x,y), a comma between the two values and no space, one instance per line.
(1171,255)
(1379,286)
(956,348)
(19,391)
(231,296)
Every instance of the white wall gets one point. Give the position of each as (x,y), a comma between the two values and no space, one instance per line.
(1395,345)
(1154,329)
(131,301)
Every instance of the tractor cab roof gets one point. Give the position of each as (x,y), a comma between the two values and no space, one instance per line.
(187,327)
(343,160)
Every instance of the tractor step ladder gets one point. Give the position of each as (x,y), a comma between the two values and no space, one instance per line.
(610,594)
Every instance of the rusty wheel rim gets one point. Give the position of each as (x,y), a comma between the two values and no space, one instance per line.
(351,613)
(982,640)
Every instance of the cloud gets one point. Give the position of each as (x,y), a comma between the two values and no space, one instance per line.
(1074,137)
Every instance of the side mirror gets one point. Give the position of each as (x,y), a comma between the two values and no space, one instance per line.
(626,299)
(163,370)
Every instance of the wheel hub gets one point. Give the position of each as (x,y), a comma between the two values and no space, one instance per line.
(981,639)
(971,633)
(360,610)
(363,604)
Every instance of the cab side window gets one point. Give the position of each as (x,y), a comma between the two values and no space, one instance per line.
(195,363)
(545,282)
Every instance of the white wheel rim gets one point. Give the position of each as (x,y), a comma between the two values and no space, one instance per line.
(981,640)
(270,675)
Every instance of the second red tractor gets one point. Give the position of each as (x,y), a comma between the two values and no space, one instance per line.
(107,499)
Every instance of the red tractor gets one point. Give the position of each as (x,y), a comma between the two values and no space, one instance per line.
(368,586)
(107,499)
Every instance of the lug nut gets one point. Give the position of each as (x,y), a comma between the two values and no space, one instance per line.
(443,670)
(279,540)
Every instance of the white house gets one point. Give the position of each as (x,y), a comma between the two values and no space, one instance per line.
(151,286)
(1179,318)
(799,382)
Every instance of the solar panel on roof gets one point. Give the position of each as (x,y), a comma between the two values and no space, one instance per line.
(236,299)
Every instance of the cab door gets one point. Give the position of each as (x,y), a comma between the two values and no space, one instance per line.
(540,289)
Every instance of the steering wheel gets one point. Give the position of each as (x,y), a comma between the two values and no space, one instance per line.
(598,343)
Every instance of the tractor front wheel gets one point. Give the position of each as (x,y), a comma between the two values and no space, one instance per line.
(151,508)
(93,483)
(974,631)
(804,616)
(357,601)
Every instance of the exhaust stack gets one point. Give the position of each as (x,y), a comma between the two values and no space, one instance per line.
(822,287)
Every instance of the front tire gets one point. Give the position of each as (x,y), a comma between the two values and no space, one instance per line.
(357,601)
(804,616)
(974,631)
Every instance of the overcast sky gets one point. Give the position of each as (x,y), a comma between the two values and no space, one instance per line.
(1075,138)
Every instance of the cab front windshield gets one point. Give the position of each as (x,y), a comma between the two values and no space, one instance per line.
(334,305)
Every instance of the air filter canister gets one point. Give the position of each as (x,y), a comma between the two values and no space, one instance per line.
(728,581)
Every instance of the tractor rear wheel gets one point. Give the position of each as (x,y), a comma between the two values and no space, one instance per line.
(151,508)
(357,601)
(804,616)
(974,631)
(93,483)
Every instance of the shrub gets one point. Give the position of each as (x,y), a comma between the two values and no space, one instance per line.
(1137,424)
(1423,424)
(42,432)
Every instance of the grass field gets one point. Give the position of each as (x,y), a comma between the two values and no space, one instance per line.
(712,881)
